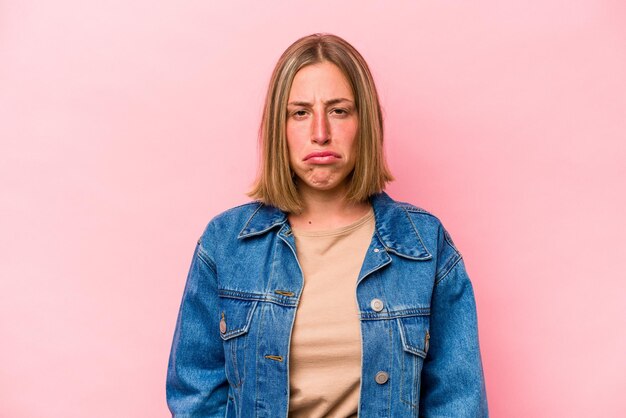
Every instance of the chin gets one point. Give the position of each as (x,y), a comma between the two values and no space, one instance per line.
(325,185)
(323,181)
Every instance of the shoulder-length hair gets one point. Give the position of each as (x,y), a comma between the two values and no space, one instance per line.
(275,183)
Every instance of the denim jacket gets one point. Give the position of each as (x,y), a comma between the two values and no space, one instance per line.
(419,336)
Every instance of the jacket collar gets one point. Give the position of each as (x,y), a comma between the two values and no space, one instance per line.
(394,228)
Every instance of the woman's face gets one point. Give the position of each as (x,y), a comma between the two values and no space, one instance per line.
(322,125)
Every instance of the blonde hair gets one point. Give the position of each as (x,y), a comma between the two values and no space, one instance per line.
(275,184)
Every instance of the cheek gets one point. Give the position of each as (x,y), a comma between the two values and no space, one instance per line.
(290,136)
(346,127)
(350,134)
(296,137)
(291,131)
(292,145)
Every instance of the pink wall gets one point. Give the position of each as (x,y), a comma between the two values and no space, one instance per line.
(125,126)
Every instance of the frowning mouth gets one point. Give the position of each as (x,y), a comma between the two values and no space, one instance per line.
(322,156)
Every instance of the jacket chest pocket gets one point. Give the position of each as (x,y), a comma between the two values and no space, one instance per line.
(414,332)
(236,317)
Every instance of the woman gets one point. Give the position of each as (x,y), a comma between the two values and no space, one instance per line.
(324,296)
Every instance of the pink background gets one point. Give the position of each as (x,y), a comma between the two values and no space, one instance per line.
(126,125)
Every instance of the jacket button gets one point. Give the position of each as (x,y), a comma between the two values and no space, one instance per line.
(381,378)
(377,305)
(222,326)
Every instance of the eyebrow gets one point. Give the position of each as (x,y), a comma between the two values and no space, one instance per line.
(327,102)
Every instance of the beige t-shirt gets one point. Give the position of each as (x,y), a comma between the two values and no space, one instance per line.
(325,353)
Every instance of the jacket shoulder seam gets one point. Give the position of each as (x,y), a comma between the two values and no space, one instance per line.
(420,211)
(423,212)
(415,209)
(448,269)
(206,259)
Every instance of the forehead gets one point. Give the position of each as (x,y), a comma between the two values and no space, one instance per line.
(324,80)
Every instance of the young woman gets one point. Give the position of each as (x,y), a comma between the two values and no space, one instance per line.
(324,297)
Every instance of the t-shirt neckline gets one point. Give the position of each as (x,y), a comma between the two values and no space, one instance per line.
(337,231)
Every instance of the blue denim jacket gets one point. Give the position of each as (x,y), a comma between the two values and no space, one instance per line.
(420,351)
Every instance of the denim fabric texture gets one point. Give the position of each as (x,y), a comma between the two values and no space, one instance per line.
(420,350)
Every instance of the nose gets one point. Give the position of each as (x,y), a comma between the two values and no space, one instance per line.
(321,131)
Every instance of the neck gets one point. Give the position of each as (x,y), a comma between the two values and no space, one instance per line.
(327,209)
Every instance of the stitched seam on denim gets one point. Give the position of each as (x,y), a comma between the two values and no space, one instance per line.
(416,356)
(206,259)
(389,368)
(448,239)
(445,274)
(356,295)
(230,401)
(411,386)
(405,344)
(257,357)
(445,267)
(367,315)
(404,255)
(398,252)
(416,361)
(373,270)
(236,294)
(233,353)
(274,251)
(415,209)
(244,350)
(406,205)
(411,206)
(418,387)
(418,234)
(380,241)
(414,351)
(403,377)
(378,267)
(233,333)
(241,234)
(263,231)
(278,300)
(241,330)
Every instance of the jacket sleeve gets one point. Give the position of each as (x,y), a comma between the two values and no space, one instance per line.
(196,382)
(453,384)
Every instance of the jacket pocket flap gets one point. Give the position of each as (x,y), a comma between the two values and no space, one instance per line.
(236,315)
(415,335)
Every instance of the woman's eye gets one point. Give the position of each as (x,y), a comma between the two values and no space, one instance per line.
(299,113)
(340,112)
